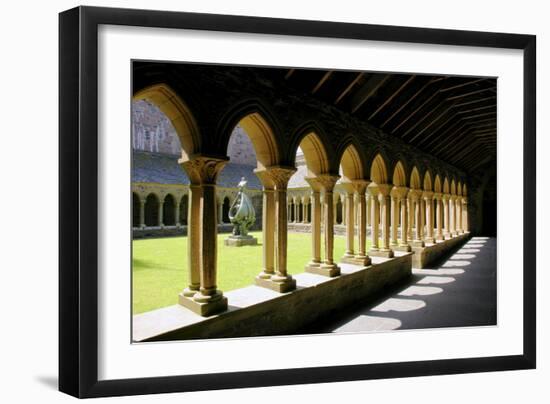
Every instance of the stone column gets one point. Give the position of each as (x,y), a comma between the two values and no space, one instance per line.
(415,196)
(465,225)
(384,200)
(446,215)
(400,194)
(328,267)
(422,216)
(220,212)
(141,212)
(335,209)
(177,212)
(368,198)
(394,219)
(374,218)
(315,263)
(410,212)
(280,281)
(268,225)
(428,200)
(459,215)
(361,258)
(161,213)
(350,222)
(439,217)
(202,172)
(452,211)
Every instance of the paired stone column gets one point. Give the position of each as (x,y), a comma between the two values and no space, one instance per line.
(141,212)
(268,225)
(394,218)
(350,222)
(327,183)
(276,178)
(361,258)
(428,201)
(459,215)
(315,262)
(452,212)
(415,196)
(410,211)
(446,215)
(438,217)
(374,218)
(328,267)
(400,193)
(208,300)
(368,198)
(465,224)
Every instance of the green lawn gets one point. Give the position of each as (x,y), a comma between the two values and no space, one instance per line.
(160,269)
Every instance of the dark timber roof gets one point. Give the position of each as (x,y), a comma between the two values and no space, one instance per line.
(450,117)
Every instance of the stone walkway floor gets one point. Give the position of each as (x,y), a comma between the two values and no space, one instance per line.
(459,291)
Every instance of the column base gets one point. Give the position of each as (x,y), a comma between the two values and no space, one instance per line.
(429,240)
(312,265)
(417,243)
(384,253)
(265,274)
(362,260)
(330,270)
(276,283)
(403,247)
(447,236)
(205,309)
(439,237)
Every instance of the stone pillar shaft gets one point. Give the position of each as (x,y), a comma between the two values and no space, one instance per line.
(362,218)
(316,227)
(375,220)
(160,213)
(350,224)
(439,217)
(268,230)
(329,228)
(394,220)
(177,213)
(141,213)
(404,223)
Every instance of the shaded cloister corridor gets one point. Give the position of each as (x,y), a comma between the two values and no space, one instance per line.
(458,291)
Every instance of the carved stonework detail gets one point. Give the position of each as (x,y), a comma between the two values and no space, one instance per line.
(203,170)
(326,181)
(277,177)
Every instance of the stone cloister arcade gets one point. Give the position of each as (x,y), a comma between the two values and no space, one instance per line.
(372,184)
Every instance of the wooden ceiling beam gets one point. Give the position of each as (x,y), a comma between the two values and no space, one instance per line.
(415,111)
(408,102)
(322,81)
(461,85)
(477,109)
(349,87)
(437,118)
(446,144)
(392,96)
(367,90)
(456,97)
(492,97)
(478,115)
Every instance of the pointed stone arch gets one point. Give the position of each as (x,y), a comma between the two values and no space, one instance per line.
(315,154)
(352,164)
(399,175)
(453,187)
(446,186)
(378,170)
(437,184)
(177,111)
(415,179)
(464,190)
(459,188)
(427,181)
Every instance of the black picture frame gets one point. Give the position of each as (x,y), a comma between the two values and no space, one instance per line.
(78,196)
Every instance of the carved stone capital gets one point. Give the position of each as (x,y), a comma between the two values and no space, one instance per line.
(203,170)
(427,195)
(399,192)
(275,176)
(323,182)
(360,186)
(415,194)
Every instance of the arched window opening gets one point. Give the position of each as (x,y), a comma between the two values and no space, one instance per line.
(225,210)
(168,214)
(135,210)
(151,211)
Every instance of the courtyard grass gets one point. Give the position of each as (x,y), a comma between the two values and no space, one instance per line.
(160,268)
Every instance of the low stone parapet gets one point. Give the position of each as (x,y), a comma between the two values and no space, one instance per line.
(431,253)
(257,311)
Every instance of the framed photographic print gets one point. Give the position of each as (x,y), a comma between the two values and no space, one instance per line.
(251,201)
